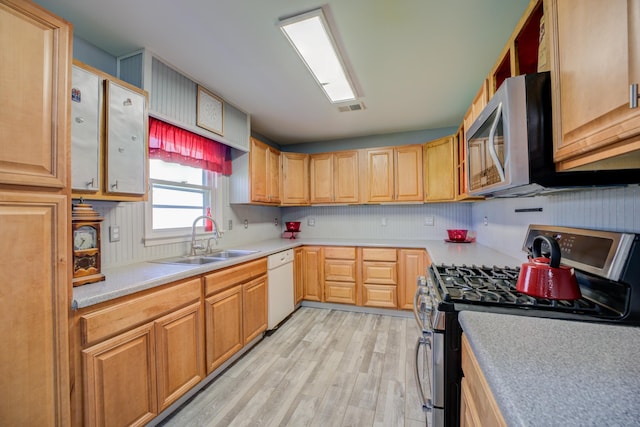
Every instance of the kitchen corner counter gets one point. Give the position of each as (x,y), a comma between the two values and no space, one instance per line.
(128,279)
(548,372)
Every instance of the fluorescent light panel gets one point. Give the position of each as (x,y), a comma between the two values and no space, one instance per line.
(310,36)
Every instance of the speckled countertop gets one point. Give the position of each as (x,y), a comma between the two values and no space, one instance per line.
(547,372)
(128,279)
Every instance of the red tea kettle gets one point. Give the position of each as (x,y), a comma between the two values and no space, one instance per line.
(544,277)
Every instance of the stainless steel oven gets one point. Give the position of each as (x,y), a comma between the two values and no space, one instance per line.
(607,267)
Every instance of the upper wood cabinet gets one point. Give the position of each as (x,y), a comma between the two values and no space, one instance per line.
(264,166)
(394,174)
(109,134)
(439,179)
(35,72)
(595,58)
(477,105)
(335,177)
(295,178)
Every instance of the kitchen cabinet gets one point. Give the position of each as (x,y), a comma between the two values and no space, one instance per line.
(439,179)
(312,265)
(340,274)
(394,174)
(264,165)
(411,264)
(335,177)
(477,105)
(380,277)
(235,309)
(477,404)
(109,137)
(141,354)
(298,276)
(295,179)
(595,59)
(34,216)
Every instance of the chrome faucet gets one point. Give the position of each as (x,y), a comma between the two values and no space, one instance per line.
(216,233)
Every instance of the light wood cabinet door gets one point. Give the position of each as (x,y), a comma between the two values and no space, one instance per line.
(34,307)
(478,406)
(264,166)
(295,179)
(346,177)
(412,263)
(179,354)
(34,83)
(380,175)
(409,173)
(439,179)
(298,275)
(321,171)
(254,307)
(595,58)
(312,266)
(223,316)
(120,379)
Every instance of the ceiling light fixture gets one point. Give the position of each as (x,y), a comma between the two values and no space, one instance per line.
(310,36)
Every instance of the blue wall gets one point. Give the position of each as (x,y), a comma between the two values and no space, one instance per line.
(94,56)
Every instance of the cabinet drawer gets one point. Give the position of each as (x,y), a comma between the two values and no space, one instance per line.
(379,254)
(380,296)
(340,252)
(125,315)
(382,273)
(226,277)
(340,270)
(340,292)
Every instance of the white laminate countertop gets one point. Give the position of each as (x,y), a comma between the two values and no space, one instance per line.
(128,279)
(548,372)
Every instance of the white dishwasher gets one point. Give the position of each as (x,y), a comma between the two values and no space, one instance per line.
(280,292)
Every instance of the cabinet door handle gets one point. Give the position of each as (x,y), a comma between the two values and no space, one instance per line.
(633,95)
(92,183)
(115,186)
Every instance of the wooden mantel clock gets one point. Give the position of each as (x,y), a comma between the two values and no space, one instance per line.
(86,244)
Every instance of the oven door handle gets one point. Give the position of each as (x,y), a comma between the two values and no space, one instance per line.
(427,404)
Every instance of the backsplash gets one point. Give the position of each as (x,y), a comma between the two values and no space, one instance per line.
(611,209)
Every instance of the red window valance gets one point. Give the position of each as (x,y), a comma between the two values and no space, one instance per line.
(173,144)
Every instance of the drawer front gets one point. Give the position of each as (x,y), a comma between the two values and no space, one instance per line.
(382,273)
(380,296)
(340,292)
(230,276)
(340,252)
(133,312)
(340,270)
(379,254)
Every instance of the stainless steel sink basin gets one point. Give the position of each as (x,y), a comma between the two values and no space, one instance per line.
(206,259)
(230,253)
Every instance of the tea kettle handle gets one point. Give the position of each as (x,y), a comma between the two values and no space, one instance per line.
(554,247)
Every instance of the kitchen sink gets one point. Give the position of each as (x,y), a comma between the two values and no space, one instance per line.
(206,259)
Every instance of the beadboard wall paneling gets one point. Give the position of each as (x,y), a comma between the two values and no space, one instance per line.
(366,221)
(611,209)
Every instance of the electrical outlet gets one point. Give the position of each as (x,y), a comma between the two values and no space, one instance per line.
(311,222)
(429,221)
(114,233)
(275,222)
(383,222)
(230,226)
(246,223)
(486,220)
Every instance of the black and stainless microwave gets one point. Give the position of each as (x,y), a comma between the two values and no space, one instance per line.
(510,145)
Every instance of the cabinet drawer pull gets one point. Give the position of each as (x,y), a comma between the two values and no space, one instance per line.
(633,95)
(115,186)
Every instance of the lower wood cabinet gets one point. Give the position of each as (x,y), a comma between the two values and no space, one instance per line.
(477,405)
(412,263)
(340,275)
(312,265)
(380,277)
(139,371)
(298,276)
(235,309)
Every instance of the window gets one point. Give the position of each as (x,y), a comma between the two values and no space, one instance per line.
(178,195)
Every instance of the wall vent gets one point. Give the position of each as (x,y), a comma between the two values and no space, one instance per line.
(351,107)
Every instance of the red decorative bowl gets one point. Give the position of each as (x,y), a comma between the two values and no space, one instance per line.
(293,227)
(457,235)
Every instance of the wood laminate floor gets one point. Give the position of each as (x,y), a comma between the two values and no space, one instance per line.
(321,368)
